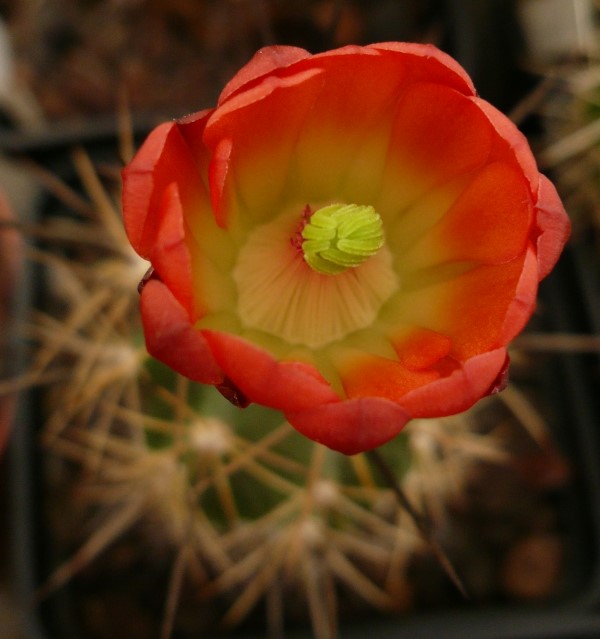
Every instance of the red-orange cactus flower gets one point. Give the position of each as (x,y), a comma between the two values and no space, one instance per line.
(352,238)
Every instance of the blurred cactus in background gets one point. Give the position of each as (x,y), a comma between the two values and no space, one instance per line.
(160,487)
(167,510)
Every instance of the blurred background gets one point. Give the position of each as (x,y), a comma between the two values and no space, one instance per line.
(68,67)
(74,59)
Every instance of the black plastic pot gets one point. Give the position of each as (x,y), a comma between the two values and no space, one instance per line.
(569,299)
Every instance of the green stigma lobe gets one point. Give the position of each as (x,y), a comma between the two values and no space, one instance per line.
(341,236)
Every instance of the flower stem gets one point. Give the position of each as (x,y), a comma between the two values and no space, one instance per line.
(422,523)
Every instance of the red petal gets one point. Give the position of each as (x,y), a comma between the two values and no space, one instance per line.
(171,338)
(460,390)
(524,299)
(490,220)
(488,223)
(265,61)
(344,138)
(218,171)
(421,348)
(437,136)
(554,226)
(352,426)
(287,386)
(138,187)
(469,308)
(192,128)
(253,137)
(169,255)
(501,381)
(373,376)
(163,158)
(511,145)
(426,62)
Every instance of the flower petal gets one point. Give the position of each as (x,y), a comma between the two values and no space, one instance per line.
(348,128)
(469,308)
(510,144)
(264,62)
(171,338)
(372,376)
(192,128)
(287,386)
(426,62)
(470,228)
(461,389)
(553,224)
(218,172)
(248,170)
(352,426)
(169,255)
(438,135)
(523,303)
(419,348)
(488,223)
(162,159)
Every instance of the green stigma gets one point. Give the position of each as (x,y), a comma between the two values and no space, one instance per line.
(341,236)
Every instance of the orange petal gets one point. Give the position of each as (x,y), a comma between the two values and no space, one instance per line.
(461,389)
(169,254)
(469,308)
(488,223)
(192,128)
(287,386)
(553,224)
(218,172)
(426,63)
(373,376)
(252,137)
(171,338)
(438,135)
(266,61)
(351,426)
(421,348)
(478,304)
(510,145)
(164,158)
(348,128)
(524,299)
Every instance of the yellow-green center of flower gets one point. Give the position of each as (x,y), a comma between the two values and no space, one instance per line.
(281,295)
(341,236)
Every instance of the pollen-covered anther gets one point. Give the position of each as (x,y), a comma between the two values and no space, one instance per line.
(341,236)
